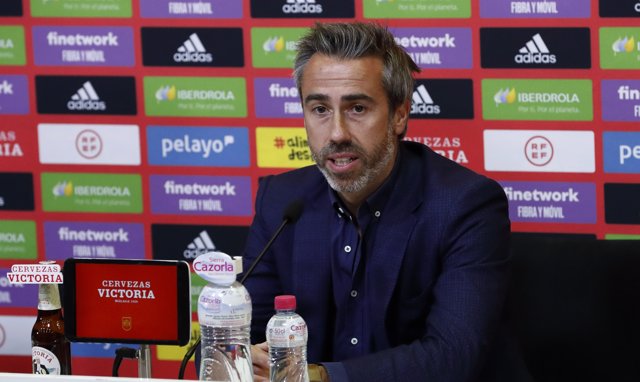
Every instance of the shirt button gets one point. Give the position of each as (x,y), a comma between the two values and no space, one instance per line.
(354,293)
(376,214)
(347,248)
(354,341)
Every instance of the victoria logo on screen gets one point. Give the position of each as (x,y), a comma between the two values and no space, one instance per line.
(302,8)
(619,8)
(86,95)
(212,47)
(535,48)
(442,99)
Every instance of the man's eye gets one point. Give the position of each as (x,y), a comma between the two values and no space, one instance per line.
(359,109)
(320,109)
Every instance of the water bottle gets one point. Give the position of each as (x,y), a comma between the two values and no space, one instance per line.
(287,340)
(224,314)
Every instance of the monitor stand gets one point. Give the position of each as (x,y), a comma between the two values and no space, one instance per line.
(144,361)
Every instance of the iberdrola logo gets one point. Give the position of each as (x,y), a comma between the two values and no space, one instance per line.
(166,93)
(623,45)
(63,189)
(505,96)
(273,44)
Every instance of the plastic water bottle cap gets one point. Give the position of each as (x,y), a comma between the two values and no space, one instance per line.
(285,302)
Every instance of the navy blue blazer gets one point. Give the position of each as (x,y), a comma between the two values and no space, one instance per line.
(440,266)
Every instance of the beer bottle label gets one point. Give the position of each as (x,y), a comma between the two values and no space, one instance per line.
(48,297)
(44,361)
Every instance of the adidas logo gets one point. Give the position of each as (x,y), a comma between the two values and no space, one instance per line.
(86,98)
(192,50)
(302,6)
(535,51)
(201,244)
(422,103)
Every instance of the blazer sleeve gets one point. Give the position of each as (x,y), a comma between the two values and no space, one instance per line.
(467,299)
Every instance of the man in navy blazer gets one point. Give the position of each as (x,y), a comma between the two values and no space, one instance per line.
(399,260)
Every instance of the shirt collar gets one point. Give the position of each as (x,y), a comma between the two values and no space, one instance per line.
(374,205)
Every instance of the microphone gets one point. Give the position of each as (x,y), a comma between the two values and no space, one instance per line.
(290,215)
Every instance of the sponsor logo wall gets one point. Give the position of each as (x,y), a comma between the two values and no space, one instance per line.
(140,128)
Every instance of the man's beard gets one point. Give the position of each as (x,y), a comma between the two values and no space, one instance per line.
(372,165)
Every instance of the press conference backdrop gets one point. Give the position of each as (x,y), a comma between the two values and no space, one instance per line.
(139,128)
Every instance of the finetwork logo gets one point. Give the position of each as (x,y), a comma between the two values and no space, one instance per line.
(301,6)
(86,98)
(192,50)
(200,245)
(422,103)
(624,45)
(625,93)
(6,88)
(535,51)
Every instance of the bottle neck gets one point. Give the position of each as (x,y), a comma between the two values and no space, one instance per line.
(285,311)
(48,297)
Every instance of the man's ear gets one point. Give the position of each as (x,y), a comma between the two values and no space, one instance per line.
(401,117)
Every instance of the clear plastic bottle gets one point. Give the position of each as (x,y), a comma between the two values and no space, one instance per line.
(224,313)
(287,340)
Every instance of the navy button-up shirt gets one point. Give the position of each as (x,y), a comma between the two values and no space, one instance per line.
(353,238)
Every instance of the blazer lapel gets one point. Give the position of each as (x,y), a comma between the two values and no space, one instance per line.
(398,223)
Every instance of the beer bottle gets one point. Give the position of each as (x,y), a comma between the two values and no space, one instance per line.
(50,349)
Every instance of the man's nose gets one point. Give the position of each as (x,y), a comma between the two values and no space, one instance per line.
(339,129)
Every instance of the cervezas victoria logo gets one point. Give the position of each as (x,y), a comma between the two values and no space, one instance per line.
(124,291)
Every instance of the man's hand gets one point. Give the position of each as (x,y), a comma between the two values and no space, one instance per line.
(260,359)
